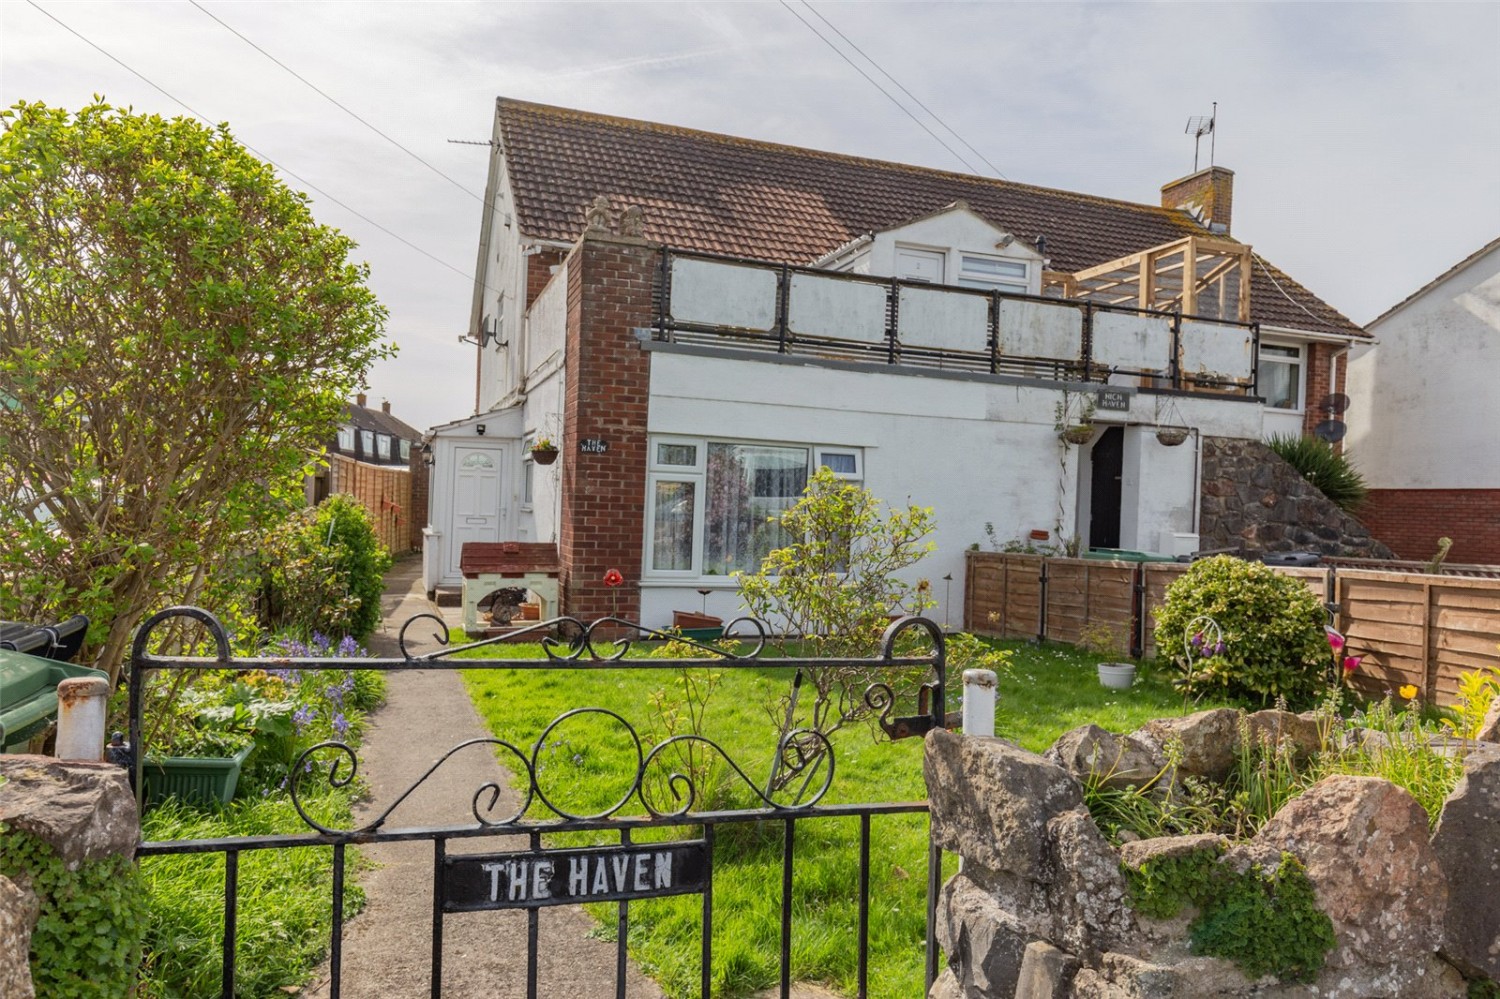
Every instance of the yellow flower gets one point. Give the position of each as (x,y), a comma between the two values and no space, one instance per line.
(1408,691)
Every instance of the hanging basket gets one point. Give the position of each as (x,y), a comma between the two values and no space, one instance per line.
(544,455)
(1078,433)
(1171,436)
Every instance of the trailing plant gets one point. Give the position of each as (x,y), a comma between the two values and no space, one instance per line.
(1274,643)
(87,940)
(1268,923)
(1332,472)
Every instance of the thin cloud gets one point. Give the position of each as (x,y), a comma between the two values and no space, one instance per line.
(639,62)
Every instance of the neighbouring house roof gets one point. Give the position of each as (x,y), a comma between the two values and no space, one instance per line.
(1465,262)
(722,194)
(365,418)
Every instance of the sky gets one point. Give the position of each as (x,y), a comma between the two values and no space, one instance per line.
(1364,137)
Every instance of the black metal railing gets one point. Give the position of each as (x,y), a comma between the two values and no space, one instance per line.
(802,759)
(990,353)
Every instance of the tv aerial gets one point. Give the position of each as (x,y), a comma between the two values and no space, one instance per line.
(1198,126)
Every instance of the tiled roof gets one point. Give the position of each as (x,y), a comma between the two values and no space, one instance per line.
(366,418)
(722,194)
(507,558)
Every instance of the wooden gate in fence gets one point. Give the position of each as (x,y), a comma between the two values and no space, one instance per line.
(1409,627)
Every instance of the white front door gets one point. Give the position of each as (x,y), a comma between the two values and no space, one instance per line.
(919,265)
(476,499)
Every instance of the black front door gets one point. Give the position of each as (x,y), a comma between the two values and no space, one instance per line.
(1104,490)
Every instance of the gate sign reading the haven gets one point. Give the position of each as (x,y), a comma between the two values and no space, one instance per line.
(530,880)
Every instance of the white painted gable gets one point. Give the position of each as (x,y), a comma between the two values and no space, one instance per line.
(931,248)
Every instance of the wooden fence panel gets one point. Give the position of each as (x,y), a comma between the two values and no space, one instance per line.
(1085,594)
(1384,617)
(1159,576)
(1004,595)
(1023,596)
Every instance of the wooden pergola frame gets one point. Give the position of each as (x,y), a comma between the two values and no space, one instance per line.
(1157,278)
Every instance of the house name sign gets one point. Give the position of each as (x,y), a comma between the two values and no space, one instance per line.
(593,445)
(531,880)
(1114,400)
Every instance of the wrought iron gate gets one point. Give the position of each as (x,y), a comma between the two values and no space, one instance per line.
(539,876)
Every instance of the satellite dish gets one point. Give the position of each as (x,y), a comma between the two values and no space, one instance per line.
(1337,402)
(1331,431)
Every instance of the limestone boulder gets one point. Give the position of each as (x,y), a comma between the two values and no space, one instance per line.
(1467,844)
(84,811)
(984,943)
(1208,740)
(1272,727)
(991,802)
(1119,760)
(1489,729)
(1086,895)
(1364,843)
(1046,972)
(18,912)
(1136,855)
(945,987)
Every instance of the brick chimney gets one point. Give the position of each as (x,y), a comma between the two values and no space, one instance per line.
(1207,195)
(360,400)
(385,405)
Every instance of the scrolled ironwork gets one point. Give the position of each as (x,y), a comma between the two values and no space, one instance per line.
(203,617)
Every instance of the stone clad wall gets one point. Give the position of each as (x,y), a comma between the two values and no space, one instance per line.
(1255,501)
(1041,907)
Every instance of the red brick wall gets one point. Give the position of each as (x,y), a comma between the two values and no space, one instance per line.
(1210,191)
(539,272)
(1410,521)
(608,384)
(1319,363)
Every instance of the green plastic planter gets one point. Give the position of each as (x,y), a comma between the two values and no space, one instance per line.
(200,780)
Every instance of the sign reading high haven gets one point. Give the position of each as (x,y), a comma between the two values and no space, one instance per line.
(566,877)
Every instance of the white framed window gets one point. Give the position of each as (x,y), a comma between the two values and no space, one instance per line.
(1280,376)
(383,445)
(367,443)
(977,270)
(406,450)
(528,482)
(842,462)
(713,506)
(346,438)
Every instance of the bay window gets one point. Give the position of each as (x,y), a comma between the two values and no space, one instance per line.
(713,507)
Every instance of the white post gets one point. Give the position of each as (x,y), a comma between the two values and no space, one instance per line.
(81,703)
(979,702)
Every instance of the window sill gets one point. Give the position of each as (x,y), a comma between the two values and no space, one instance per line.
(696,582)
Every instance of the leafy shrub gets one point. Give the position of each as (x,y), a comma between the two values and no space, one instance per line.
(1330,471)
(87,941)
(1268,923)
(321,571)
(1274,641)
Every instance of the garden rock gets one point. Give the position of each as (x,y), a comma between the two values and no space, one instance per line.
(1273,726)
(1467,844)
(1086,897)
(18,911)
(1046,972)
(1364,844)
(1489,729)
(1121,760)
(84,811)
(946,987)
(984,943)
(991,802)
(1208,739)
(1136,855)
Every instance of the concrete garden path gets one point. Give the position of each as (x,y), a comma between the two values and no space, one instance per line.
(387,947)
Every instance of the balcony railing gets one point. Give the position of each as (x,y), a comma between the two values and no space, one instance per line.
(757,305)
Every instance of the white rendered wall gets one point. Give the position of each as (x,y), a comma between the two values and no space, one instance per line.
(975,451)
(505,274)
(1423,402)
(953,232)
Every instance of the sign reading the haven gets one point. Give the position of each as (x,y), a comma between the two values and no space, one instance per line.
(567,877)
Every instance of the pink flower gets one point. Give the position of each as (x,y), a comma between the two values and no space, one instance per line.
(1335,640)
(612,577)
(1351,663)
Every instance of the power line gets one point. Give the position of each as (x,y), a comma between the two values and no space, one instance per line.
(871,60)
(329,98)
(203,118)
(889,96)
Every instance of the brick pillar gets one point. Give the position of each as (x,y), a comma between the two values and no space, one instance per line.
(610,281)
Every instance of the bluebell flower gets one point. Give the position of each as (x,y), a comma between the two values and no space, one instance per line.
(341,725)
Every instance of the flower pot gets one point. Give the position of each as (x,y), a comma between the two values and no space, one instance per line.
(201,780)
(1078,433)
(698,627)
(531,611)
(544,455)
(1172,436)
(1117,676)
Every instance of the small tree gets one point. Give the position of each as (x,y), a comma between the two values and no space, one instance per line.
(177,337)
(321,571)
(836,585)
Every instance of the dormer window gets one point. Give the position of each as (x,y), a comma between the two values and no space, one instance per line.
(993,273)
(346,438)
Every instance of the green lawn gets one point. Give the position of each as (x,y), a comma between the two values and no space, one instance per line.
(589,762)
